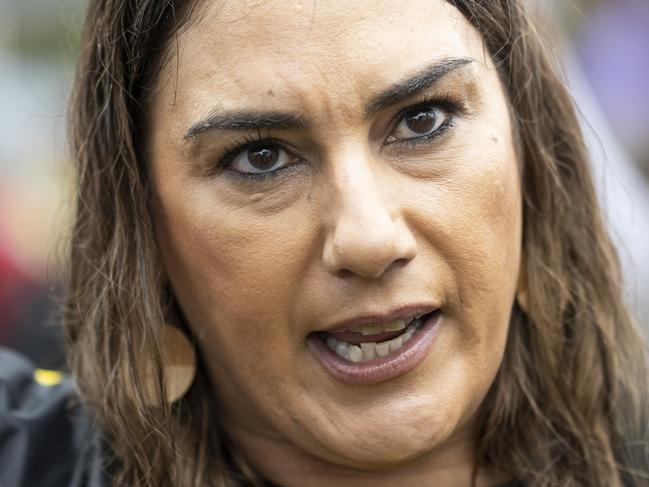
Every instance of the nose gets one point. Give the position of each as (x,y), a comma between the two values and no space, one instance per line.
(367,235)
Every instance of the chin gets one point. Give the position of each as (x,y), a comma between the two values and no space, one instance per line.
(393,454)
(372,445)
(387,454)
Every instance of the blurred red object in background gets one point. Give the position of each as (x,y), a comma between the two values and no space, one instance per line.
(15,288)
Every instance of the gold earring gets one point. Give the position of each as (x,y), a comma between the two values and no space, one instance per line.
(521,286)
(178,368)
(180,363)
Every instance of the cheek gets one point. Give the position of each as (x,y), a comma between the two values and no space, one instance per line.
(486,234)
(233,271)
(235,277)
(472,217)
(475,235)
(487,258)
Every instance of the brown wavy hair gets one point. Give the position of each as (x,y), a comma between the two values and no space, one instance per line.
(569,405)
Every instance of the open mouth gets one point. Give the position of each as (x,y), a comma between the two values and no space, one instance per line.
(374,353)
(369,342)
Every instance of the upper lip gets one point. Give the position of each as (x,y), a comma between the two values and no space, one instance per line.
(399,313)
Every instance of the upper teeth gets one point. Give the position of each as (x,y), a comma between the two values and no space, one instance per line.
(371,350)
(376,329)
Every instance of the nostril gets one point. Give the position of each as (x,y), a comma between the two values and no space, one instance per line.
(401,262)
(344,273)
(372,270)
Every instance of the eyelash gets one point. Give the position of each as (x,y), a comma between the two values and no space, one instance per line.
(448,103)
(248,142)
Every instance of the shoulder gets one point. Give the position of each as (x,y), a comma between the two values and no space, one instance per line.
(46,439)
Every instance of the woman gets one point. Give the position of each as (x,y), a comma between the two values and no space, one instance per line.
(339,243)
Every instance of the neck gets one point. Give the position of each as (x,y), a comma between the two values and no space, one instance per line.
(284,464)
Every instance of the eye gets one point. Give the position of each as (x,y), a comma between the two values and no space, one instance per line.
(421,122)
(261,158)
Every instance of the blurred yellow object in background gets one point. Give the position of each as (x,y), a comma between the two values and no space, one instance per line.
(48,377)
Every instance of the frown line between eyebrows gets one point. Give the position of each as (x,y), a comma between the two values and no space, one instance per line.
(251,119)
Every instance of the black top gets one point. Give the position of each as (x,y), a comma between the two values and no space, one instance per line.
(46,439)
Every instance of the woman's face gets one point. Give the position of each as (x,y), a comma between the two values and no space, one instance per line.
(334,166)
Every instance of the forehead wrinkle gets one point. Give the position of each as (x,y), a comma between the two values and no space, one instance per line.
(319,27)
(243,12)
(239,36)
(319,97)
(311,78)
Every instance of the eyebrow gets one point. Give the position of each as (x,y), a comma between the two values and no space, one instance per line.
(402,90)
(246,120)
(413,85)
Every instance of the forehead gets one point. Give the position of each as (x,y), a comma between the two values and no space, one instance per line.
(289,53)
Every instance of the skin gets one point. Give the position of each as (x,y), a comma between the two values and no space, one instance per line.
(356,226)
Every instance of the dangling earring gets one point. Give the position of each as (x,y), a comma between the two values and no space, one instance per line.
(179,368)
(521,287)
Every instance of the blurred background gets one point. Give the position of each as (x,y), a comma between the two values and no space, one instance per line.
(604,47)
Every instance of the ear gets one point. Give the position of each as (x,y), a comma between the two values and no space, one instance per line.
(521,287)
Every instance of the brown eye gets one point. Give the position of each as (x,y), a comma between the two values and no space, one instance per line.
(420,123)
(263,158)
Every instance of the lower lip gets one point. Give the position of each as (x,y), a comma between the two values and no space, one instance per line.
(382,369)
